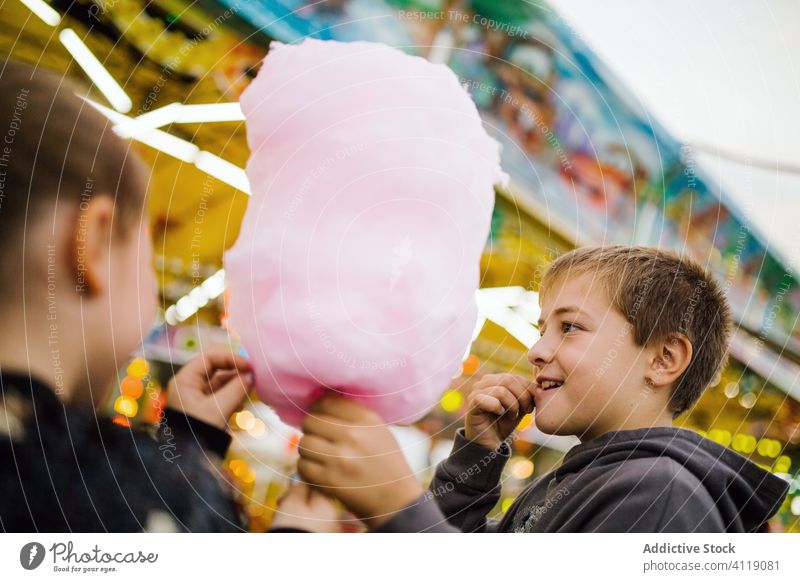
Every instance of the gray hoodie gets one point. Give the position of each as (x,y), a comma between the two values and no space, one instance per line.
(645,480)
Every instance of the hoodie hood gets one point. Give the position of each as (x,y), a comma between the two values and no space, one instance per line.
(745,494)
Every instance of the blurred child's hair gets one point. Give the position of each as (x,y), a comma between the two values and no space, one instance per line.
(56,148)
(660,293)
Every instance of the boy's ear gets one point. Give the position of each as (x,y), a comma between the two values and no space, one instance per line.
(91,245)
(673,355)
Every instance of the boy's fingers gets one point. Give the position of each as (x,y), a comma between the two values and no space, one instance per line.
(519,386)
(296,491)
(220,378)
(311,471)
(486,381)
(345,409)
(315,448)
(194,368)
(301,491)
(316,496)
(200,370)
(212,361)
(489,404)
(516,382)
(231,395)
(507,398)
(223,380)
(324,426)
(500,379)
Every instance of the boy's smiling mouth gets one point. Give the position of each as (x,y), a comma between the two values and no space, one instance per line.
(545,383)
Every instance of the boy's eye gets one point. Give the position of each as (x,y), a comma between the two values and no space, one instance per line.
(567,326)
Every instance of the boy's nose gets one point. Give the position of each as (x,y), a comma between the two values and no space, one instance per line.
(540,353)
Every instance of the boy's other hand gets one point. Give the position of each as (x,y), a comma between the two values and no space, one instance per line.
(211,387)
(495,407)
(305,508)
(348,451)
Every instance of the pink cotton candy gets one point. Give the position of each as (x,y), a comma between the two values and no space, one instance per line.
(358,258)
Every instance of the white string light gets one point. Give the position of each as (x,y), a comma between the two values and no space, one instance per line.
(44,11)
(95,70)
(176,147)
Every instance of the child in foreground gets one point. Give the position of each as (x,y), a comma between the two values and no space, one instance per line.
(630,338)
(78,295)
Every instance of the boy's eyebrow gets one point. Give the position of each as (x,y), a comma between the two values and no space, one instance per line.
(561,311)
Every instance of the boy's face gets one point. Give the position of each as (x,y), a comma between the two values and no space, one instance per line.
(588,345)
(132,291)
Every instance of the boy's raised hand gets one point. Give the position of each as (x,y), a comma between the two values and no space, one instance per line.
(495,407)
(348,451)
(305,508)
(211,387)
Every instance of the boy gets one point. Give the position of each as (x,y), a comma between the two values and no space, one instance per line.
(630,337)
(78,294)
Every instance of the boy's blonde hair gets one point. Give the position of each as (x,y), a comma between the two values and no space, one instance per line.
(660,293)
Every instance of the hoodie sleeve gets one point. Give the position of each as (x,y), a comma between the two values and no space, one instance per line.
(465,488)
(646,496)
(187,430)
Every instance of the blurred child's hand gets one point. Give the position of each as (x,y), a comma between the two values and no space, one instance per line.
(495,407)
(303,507)
(349,451)
(211,387)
